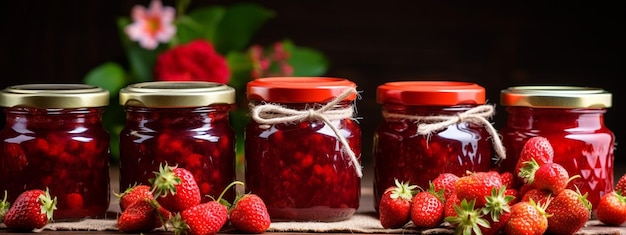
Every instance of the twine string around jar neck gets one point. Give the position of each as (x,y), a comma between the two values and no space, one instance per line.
(476,115)
(268,114)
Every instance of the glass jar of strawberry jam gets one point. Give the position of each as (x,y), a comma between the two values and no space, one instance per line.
(572,119)
(303,148)
(54,139)
(429,128)
(178,123)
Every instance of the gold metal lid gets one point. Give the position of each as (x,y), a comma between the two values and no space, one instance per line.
(555,97)
(54,96)
(166,94)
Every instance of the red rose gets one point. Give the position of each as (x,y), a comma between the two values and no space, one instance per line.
(194,61)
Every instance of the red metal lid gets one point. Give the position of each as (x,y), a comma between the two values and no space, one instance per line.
(298,89)
(430,93)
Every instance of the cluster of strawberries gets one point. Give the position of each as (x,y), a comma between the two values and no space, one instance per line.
(174,198)
(492,202)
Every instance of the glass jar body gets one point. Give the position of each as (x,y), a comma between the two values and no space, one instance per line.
(400,152)
(199,139)
(301,171)
(65,150)
(581,143)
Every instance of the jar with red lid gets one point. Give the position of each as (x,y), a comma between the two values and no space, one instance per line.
(303,147)
(54,139)
(429,128)
(572,119)
(184,124)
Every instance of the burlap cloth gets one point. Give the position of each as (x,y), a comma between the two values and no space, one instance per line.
(363,222)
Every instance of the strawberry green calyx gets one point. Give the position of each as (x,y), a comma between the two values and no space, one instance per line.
(4,206)
(583,198)
(165,181)
(403,190)
(179,225)
(468,219)
(48,204)
(527,173)
(497,203)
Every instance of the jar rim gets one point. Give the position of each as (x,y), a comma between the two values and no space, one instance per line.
(64,95)
(298,89)
(548,96)
(431,93)
(170,94)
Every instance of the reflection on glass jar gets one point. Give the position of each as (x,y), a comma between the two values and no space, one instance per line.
(54,139)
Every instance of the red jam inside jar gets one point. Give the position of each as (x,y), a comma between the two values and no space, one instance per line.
(572,119)
(301,169)
(401,152)
(185,124)
(54,139)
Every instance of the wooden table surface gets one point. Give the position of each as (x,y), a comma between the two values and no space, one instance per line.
(366,207)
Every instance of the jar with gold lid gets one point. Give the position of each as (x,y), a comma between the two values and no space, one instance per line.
(54,139)
(178,123)
(572,119)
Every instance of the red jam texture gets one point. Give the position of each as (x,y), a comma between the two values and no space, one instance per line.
(400,152)
(64,150)
(200,140)
(581,143)
(301,171)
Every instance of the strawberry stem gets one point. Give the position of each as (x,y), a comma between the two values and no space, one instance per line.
(228,187)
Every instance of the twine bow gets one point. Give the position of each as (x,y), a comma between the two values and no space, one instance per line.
(477,115)
(275,114)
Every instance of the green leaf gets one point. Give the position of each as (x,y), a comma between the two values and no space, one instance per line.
(239,25)
(308,62)
(240,67)
(200,23)
(109,76)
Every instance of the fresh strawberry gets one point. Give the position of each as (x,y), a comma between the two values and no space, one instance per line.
(249,214)
(527,218)
(621,185)
(449,205)
(551,177)
(31,210)
(143,215)
(394,209)
(202,219)
(133,194)
(611,209)
(427,208)
(4,206)
(507,179)
(468,219)
(446,182)
(538,196)
(538,148)
(175,188)
(476,186)
(569,211)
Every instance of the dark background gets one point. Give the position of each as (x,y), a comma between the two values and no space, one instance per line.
(494,44)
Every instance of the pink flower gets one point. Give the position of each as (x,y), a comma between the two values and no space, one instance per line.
(270,63)
(151,26)
(195,61)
